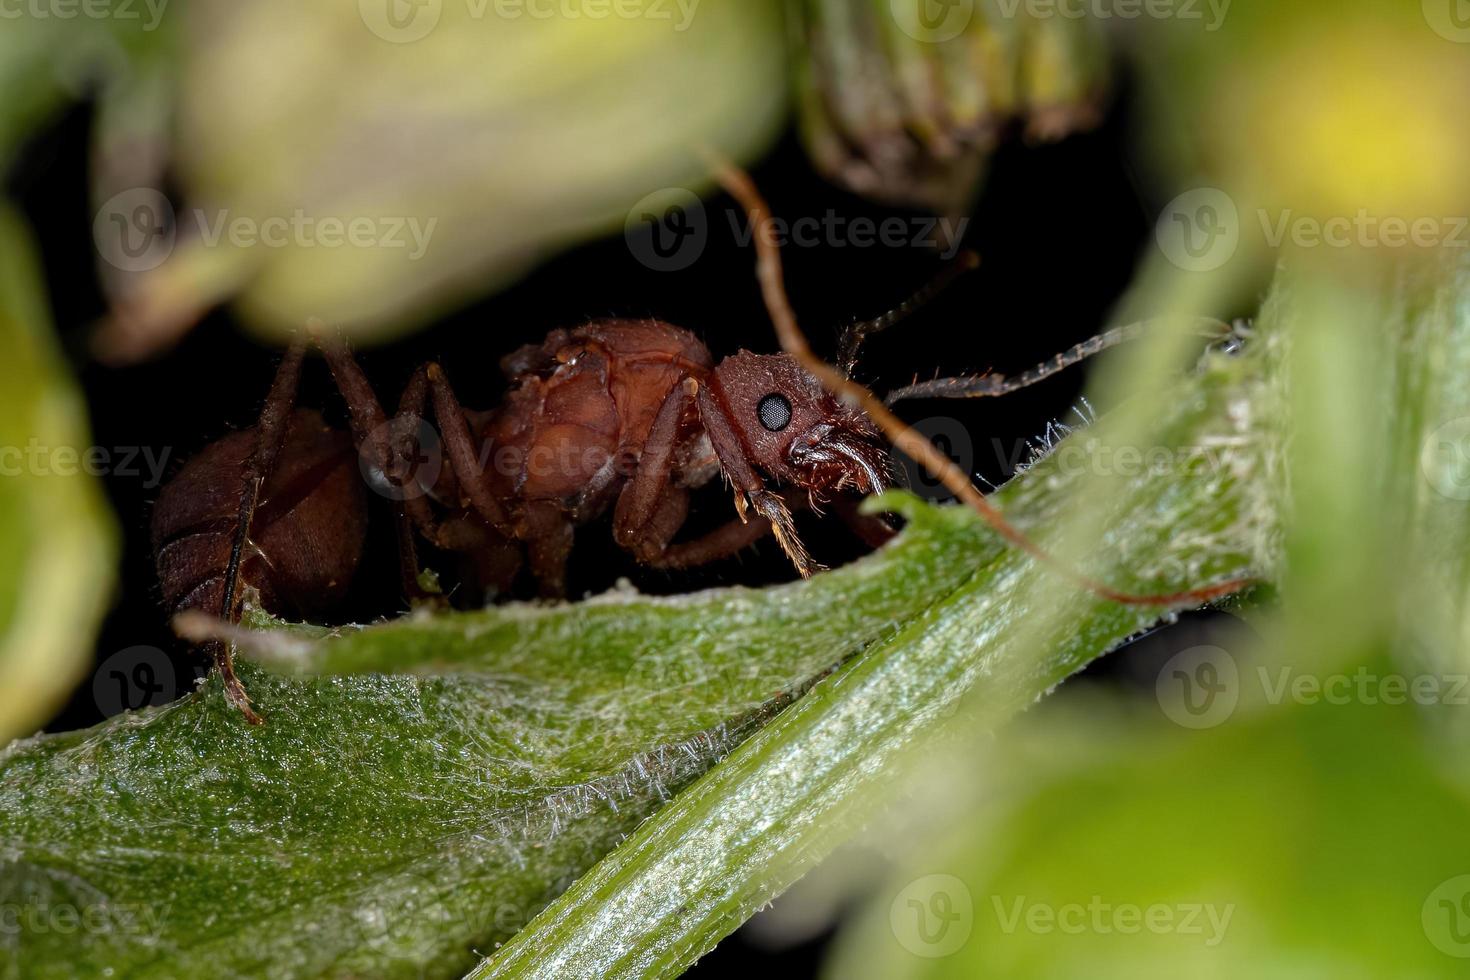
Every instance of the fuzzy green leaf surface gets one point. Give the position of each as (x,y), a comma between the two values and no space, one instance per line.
(787,797)
(399,825)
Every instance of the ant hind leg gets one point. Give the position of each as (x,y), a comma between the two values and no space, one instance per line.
(271,431)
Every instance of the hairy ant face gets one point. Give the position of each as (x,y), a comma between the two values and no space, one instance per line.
(796,431)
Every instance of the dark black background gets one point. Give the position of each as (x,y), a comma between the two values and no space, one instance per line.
(1060,229)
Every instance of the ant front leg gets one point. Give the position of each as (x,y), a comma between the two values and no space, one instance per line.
(749,487)
(650,510)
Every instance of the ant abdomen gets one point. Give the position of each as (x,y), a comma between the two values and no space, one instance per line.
(306,538)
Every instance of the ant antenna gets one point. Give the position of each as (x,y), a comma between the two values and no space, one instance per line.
(996,385)
(854,336)
(906,439)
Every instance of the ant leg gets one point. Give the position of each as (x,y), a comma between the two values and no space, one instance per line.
(460,450)
(723,542)
(390,446)
(271,429)
(732,538)
(410,410)
(749,487)
(644,496)
(373,436)
(870,530)
(495,556)
(548,540)
(649,511)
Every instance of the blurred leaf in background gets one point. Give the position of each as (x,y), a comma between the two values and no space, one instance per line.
(1331,127)
(107,49)
(57,542)
(376,163)
(904,101)
(1315,841)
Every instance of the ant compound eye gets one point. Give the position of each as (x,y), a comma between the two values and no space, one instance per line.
(775,412)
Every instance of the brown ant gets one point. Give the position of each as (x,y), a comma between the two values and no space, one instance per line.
(620,415)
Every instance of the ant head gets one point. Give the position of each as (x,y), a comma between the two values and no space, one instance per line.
(796,431)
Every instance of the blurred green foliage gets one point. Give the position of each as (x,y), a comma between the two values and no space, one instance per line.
(57,542)
(905,101)
(474,139)
(1312,834)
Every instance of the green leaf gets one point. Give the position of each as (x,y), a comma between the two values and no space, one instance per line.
(57,542)
(785,799)
(395,825)
(1312,842)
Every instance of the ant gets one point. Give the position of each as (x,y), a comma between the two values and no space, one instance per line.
(620,415)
